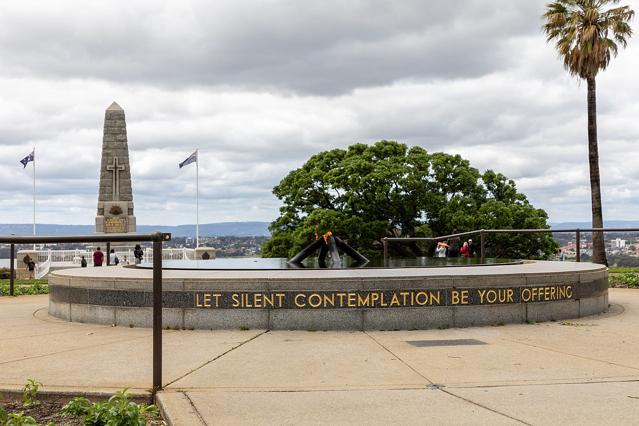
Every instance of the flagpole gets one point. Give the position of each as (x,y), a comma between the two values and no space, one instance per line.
(197,199)
(34,197)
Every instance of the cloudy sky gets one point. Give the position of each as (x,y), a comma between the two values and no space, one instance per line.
(259,86)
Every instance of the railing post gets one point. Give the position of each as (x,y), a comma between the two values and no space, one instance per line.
(157,314)
(12,270)
(385,244)
(578,245)
(482,247)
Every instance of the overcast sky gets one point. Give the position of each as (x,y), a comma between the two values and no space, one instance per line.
(259,86)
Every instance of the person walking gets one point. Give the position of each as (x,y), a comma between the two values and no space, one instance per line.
(98,257)
(138,253)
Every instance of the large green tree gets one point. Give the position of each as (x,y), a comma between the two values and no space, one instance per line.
(368,192)
(587,34)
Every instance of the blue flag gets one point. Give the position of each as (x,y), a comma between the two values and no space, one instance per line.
(192,159)
(30,157)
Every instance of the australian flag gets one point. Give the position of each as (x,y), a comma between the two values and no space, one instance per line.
(30,157)
(192,159)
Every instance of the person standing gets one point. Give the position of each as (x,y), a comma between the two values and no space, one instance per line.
(83,262)
(98,257)
(31,267)
(113,258)
(465,250)
(472,250)
(138,253)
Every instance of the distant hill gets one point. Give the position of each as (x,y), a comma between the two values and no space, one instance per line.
(607,224)
(227,229)
(223,229)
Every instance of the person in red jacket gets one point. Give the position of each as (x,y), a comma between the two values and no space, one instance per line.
(465,250)
(98,257)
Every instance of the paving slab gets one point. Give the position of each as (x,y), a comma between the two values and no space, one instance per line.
(370,407)
(574,404)
(292,360)
(497,361)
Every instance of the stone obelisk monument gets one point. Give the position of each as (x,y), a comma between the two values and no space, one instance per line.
(115,201)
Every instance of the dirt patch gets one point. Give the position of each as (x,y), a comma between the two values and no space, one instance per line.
(49,411)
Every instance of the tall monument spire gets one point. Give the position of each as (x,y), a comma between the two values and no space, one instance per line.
(115,199)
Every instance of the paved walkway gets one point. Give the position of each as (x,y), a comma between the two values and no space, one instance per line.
(573,372)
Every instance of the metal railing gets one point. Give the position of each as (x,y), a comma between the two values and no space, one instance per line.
(42,269)
(157,239)
(484,232)
(75,256)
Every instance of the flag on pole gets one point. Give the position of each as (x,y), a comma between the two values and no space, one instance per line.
(192,159)
(30,157)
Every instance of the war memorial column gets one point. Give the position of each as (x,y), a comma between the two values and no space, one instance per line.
(115,199)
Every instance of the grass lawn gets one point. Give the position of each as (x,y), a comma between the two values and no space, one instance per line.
(25,287)
(622,269)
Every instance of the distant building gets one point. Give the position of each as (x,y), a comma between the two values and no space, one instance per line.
(618,243)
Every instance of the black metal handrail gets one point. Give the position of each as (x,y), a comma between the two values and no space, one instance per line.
(156,238)
(483,232)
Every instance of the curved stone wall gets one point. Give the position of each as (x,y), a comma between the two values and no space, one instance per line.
(358,299)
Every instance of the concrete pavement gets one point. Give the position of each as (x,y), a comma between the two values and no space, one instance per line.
(572,372)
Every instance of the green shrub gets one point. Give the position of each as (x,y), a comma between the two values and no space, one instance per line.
(78,406)
(629,279)
(3,415)
(117,411)
(30,393)
(19,419)
(38,288)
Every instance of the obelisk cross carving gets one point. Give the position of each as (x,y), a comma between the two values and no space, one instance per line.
(116,168)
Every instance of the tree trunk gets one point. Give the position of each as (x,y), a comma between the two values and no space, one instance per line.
(598,246)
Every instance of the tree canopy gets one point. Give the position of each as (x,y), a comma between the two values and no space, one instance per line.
(368,192)
(587,33)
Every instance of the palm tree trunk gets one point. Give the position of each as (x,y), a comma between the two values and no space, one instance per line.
(598,247)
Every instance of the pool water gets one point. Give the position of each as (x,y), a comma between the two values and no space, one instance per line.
(311,263)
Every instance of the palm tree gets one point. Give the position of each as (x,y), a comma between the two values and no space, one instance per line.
(587,34)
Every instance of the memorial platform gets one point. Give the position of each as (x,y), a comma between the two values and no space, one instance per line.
(334,299)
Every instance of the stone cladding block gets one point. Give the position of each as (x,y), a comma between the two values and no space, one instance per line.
(321,319)
(225,319)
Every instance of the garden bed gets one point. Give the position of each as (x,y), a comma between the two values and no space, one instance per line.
(25,287)
(628,279)
(32,408)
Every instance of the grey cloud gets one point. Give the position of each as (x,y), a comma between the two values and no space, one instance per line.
(317,47)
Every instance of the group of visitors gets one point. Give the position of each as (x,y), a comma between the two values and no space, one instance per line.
(98,257)
(453,247)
